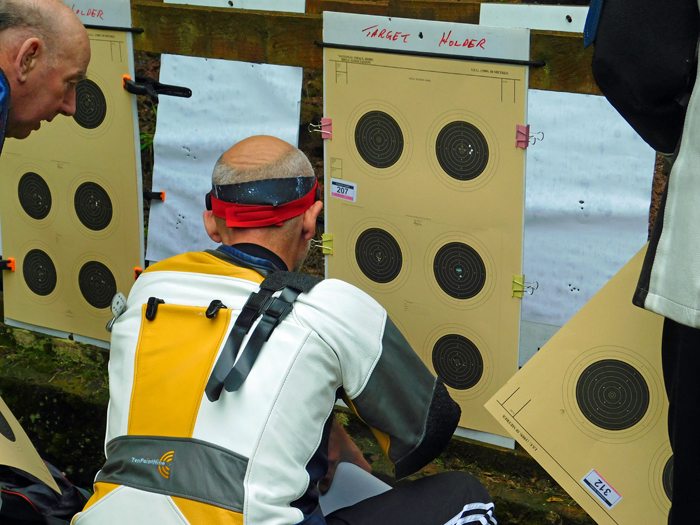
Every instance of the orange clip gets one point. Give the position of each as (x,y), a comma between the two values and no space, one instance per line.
(124,79)
(137,271)
(8,264)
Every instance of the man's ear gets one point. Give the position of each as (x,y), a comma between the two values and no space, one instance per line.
(211,226)
(27,56)
(309,220)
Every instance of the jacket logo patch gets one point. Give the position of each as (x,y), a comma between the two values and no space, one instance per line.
(165,468)
(163,463)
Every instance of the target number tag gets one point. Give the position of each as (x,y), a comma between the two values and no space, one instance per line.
(341,189)
(601,489)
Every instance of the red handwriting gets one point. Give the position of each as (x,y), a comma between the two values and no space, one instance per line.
(92,13)
(383,33)
(467,43)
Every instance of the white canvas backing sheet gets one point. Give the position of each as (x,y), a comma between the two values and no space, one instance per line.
(588,188)
(230,102)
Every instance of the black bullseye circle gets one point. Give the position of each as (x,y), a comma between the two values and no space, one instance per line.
(34,195)
(378,139)
(378,255)
(93,206)
(459,270)
(612,395)
(39,272)
(458,362)
(97,284)
(90,104)
(462,150)
(6,429)
(667,478)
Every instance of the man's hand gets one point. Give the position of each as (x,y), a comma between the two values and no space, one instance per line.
(341,448)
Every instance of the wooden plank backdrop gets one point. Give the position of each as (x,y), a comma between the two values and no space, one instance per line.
(288,38)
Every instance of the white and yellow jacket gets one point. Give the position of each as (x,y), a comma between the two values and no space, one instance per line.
(254,456)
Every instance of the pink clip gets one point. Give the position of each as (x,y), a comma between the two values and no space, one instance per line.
(522,136)
(327,123)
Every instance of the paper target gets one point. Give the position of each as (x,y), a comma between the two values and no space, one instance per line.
(93,206)
(34,195)
(39,272)
(97,284)
(462,150)
(378,255)
(458,362)
(612,395)
(6,429)
(379,139)
(90,104)
(459,270)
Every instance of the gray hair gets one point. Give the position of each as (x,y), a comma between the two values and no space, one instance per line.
(37,20)
(293,163)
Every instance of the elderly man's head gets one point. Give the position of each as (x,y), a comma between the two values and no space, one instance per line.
(44,52)
(256,159)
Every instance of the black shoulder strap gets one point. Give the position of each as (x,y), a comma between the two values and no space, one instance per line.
(273,311)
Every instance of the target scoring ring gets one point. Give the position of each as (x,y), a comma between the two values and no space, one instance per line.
(90,104)
(93,206)
(97,284)
(39,272)
(459,270)
(378,255)
(34,195)
(5,429)
(612,395)
(462,150)
(458,362)
(667,478)
(378,139)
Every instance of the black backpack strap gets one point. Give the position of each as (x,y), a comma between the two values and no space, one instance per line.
(273,311)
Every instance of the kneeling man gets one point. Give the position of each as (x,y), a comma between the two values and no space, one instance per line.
(226,365)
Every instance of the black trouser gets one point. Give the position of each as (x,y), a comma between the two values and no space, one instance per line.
(680,350)
(433,500)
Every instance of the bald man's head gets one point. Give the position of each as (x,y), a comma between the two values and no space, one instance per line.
(44,52)
(261,157)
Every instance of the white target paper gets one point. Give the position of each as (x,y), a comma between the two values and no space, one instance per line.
(588,190)
(230,101)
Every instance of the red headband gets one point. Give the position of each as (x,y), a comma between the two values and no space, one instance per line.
(249,216)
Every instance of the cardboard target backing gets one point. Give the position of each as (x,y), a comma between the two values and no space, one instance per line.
(71,204)
(433,227)
(591,407)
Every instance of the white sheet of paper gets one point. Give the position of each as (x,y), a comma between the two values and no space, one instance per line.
(588,190)
(570,19)
(112,13)
(230,102)
(290,6)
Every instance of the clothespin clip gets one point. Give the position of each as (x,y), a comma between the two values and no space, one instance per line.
(154,195)
(7,264)
(325,127)
(152,88)
(522,136)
